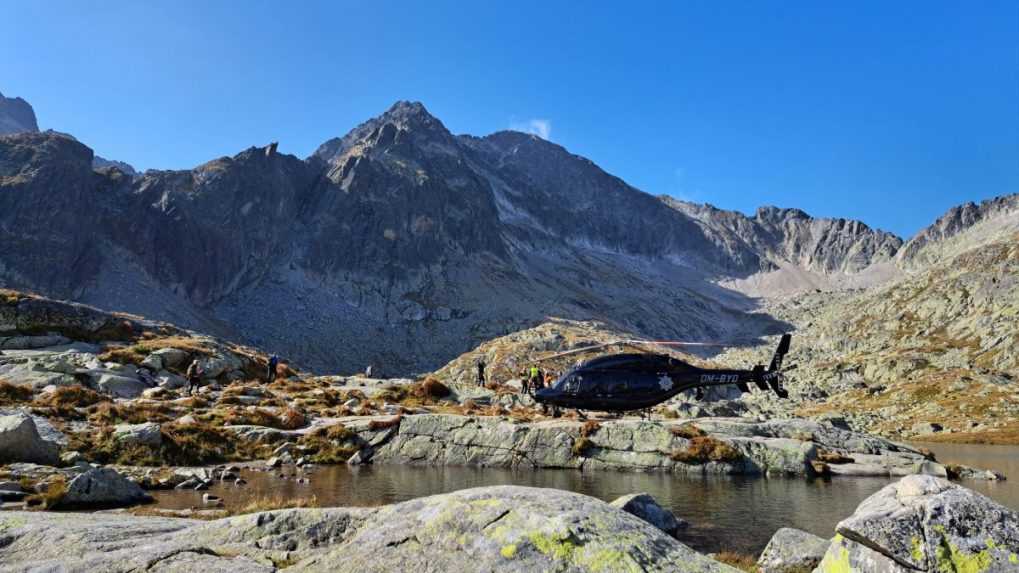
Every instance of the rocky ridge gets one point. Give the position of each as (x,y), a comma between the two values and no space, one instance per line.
(932,354)
(400,230)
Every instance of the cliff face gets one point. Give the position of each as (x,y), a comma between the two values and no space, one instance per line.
(791,236)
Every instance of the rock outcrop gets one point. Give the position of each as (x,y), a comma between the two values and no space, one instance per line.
(20,442)
(728,446)
(503,528)
(926,524)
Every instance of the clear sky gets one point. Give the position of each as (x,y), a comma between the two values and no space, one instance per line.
(889,112)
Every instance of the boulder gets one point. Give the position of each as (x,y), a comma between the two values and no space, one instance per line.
(153,362)
(147,434)
(120,386)
(171,357)
(20,442)
(923,523)
(102,487)
(508,528)
(169,380)
(791,550)
(32,342)
(645,507)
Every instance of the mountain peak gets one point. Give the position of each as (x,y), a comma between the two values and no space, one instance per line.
(16,116)
(408,117)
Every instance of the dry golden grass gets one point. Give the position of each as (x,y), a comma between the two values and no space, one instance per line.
(75,396)
(182,445)
(109,413)
(12,297)
(55,491)
(272,503)
(740,561)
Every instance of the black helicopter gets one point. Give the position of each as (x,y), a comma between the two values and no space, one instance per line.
(638,381)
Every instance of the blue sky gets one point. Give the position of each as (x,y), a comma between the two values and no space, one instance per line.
(889,112)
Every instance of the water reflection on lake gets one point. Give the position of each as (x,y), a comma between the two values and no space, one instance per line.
(734,513)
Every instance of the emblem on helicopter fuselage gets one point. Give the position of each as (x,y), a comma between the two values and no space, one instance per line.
(665,382)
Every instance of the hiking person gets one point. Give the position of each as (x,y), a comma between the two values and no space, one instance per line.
(481,372)
(524,377)
(274,362)
(194,376)
(534,378)
(368,371)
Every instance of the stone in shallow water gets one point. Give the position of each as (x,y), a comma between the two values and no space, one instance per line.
(647,508)
(103,487)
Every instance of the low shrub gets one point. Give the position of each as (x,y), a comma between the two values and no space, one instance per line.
(581,446)
(589,428)
(834,458)
(13,393)
(432,388)
(704,449)
(336,432)
(383,424)
(292,419)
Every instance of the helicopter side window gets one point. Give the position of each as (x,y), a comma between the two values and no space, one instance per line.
(572,383)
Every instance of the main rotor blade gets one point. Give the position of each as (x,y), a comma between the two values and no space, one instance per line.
(632,342)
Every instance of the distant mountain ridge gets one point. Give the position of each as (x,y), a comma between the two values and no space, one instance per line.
(398,244)
(17,116)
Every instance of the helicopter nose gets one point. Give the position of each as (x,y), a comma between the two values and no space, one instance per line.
(542,395)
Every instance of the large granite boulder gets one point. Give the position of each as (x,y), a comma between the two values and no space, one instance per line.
(20,442)
(506,528)
(791,550)
(922,523)
(102,487)
(646,507)
(121,386)
(147,434)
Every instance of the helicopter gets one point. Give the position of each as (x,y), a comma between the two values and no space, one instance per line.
(638,381)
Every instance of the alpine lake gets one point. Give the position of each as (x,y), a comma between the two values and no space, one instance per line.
(733,513)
